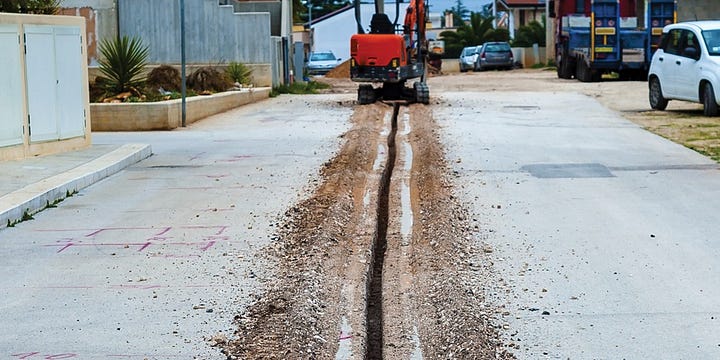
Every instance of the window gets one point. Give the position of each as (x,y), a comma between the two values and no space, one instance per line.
(322,56)
(712,41)
(671,42)
(497,47)
(690,41)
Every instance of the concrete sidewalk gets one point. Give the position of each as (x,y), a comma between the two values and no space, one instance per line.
(30,185)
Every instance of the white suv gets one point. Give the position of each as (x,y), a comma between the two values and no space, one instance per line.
(686,66)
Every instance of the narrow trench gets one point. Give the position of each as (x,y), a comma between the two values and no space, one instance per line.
(374,317)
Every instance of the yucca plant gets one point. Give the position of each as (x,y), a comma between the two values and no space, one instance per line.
(239,73)
(122,64)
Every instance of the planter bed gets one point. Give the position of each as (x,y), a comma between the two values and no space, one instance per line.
(167,115)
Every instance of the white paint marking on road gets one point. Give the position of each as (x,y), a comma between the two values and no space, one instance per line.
(345,341)
(417,353)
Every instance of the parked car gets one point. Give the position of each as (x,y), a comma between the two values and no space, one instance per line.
(495,55)
(321,62)
(686,66)
(468,58)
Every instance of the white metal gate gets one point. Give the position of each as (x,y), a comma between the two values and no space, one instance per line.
(68,57)
(54,82)
(11,101)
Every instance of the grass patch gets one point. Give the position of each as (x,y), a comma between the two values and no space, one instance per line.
(299,88)
(27,216)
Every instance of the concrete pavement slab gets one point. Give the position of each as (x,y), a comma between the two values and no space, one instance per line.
(604,232)
(155,261)
(30,185)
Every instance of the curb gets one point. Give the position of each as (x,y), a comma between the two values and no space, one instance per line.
(36,197)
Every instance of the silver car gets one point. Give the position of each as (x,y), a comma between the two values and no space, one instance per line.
(495,55)
(468,57)
(321,62)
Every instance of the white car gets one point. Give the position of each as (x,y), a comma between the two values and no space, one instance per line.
(321,62)
(686,66)
(468,58)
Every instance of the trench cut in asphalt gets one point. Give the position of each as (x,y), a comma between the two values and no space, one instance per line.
(374,319)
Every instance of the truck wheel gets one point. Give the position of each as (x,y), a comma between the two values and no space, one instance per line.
(564,68)
(583,72)
(710,106)
(657,101)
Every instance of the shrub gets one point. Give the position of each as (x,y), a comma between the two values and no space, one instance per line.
(208,79)
(46,7)
(239,73)
(527,35)
(122,64)
(166,77)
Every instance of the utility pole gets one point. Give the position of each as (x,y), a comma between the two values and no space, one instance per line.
(182,60)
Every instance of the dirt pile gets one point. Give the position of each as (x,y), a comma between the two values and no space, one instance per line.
(340,71)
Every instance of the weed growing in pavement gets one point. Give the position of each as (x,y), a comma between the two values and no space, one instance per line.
(26,215)
(299,87)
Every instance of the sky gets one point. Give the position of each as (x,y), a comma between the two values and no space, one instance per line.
(440,5)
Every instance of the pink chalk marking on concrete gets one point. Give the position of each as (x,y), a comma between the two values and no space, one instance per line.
(174,256)
(67,243)
(96,231)
(142,245)
(25,355)
(208,245)
(141,287)
(38,355)
(122,286)
(236,158)
(345,337)
(64,287)
(165,231)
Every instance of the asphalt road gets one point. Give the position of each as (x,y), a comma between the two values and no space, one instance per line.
(152,262)
(605,234)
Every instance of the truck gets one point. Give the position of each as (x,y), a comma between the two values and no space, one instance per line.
(595,37)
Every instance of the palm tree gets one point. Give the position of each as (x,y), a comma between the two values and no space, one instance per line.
(477,31)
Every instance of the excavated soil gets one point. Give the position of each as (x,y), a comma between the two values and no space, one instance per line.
(433,285)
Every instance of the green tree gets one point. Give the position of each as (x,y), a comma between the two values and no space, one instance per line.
(319,8)
(527,35)
(460,12)
(47,7)
(477,31)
